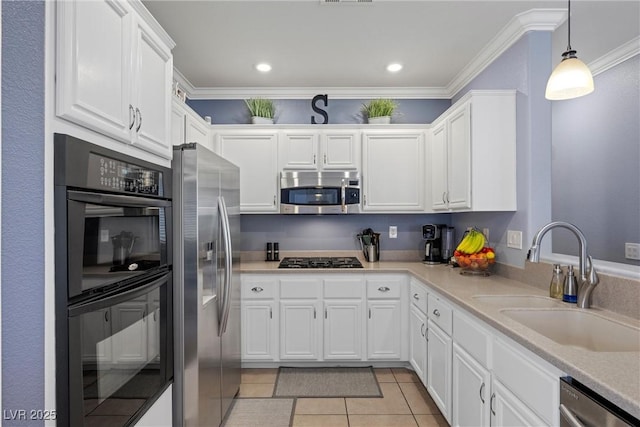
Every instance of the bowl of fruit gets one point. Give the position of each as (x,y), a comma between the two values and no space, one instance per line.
(473,256)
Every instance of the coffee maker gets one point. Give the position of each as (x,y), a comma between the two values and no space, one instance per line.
(432,233)
(440,241)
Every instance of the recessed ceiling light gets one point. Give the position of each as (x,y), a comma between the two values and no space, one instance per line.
(394,67)
(263,67)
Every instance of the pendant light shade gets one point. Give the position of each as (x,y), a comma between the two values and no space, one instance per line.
(571,78)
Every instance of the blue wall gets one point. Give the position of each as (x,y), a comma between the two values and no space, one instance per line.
(596,164)
(23,26)
(341,111)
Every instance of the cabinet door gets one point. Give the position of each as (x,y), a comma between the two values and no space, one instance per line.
(299,150)
(259,332)
(508,410)
(299,330)
(197,131)
(439,368)
(439,168)
(96,330)
(93,66)
(257,156)
(154,73)
(343,330)
(384,329)
(393,172)
(418,341)
(471,390)
(459,158)
(340,150)
(178,124)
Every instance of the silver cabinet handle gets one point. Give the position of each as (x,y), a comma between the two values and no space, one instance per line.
(569,416)
(325,313)
(314,159)
(139,119)
(436,312)
(274,200)
(325,159)
(482,393)
(369,313)
(444,200)
(384,289)
(106,315)
(270,313)
(364,199)
(422,330)
(132,117)
(314,312)
(416,297)
(493,397)
(257,289)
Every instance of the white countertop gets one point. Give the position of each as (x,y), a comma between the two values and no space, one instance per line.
(614,375)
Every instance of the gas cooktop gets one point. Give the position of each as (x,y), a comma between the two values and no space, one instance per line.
(320,262)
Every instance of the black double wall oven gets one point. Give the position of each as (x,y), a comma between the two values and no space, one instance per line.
(114,342)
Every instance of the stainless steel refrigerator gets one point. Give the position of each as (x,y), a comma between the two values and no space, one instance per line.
(206,285)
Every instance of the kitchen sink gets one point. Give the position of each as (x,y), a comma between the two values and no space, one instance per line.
(519,301)
(579,328)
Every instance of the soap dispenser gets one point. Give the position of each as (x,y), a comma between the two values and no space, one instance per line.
(570,288)
(556,287)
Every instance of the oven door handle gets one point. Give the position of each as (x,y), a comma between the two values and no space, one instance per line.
(117,298)
(569,416)
(115,200)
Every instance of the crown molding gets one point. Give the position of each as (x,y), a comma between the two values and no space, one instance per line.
(310,92)
(531,20)
(616,56)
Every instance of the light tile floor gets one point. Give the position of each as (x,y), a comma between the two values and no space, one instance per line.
(405,402)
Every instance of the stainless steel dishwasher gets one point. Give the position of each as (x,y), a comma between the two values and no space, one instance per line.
(582,407)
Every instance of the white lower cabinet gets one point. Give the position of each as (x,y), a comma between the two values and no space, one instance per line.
(418,342)
(259,321)
(343,330)
(386,318)
(508,410)
(300,318)
(439,368)
(471,385)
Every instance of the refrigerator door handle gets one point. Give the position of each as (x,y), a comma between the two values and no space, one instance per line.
(228,254)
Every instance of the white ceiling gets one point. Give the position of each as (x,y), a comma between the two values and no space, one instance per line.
(348,45)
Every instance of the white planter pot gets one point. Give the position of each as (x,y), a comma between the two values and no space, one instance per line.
(261,120)
(383,120)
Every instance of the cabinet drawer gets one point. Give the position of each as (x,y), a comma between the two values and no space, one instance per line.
(534,383)
(344,287)
(384,288)
(418,295)
(300,288)
(259,288)
(440,312)
(468,333)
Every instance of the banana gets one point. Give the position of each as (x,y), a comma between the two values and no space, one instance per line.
(472,242)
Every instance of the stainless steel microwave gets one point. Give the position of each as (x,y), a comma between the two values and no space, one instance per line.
(327,192)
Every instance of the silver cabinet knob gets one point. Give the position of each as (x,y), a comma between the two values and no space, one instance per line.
(436,312)
(257,289)
(384,289)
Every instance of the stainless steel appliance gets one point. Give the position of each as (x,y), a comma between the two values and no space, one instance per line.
(370,244)
(581,407)
(207,286)
(448,243)
(330,192)
(320,262)
(113,283)
(433,234)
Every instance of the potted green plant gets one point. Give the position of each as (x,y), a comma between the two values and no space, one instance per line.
(262,110)
(379,111)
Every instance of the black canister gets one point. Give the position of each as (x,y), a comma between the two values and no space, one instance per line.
(276,251)
(269,251)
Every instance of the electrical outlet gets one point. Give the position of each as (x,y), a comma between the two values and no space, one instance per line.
(632,250)
(393,232)
(514,239)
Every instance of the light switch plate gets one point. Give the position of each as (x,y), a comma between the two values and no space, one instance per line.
(514,239)
(393,232)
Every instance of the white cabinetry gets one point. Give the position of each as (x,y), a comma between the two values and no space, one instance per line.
(439,348)
(393,168)
(471,391)
(130,342)
(256,153)
(114,71)
(188,126)
(301,326)
(311,149)
(418,329)
(259,318)
(385,317)
(508,410)
(473,154)
(343,318)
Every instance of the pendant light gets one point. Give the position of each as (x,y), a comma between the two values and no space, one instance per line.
(571,78)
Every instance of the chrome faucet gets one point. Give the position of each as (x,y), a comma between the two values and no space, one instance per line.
(588,277)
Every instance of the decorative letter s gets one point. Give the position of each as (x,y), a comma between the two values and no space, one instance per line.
(319,110)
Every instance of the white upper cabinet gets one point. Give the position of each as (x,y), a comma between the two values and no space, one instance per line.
(312,149)
(188,126)
(473,154)
(393,171)
(114,72)
(256,154)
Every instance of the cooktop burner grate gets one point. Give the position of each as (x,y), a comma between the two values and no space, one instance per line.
(320,262)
